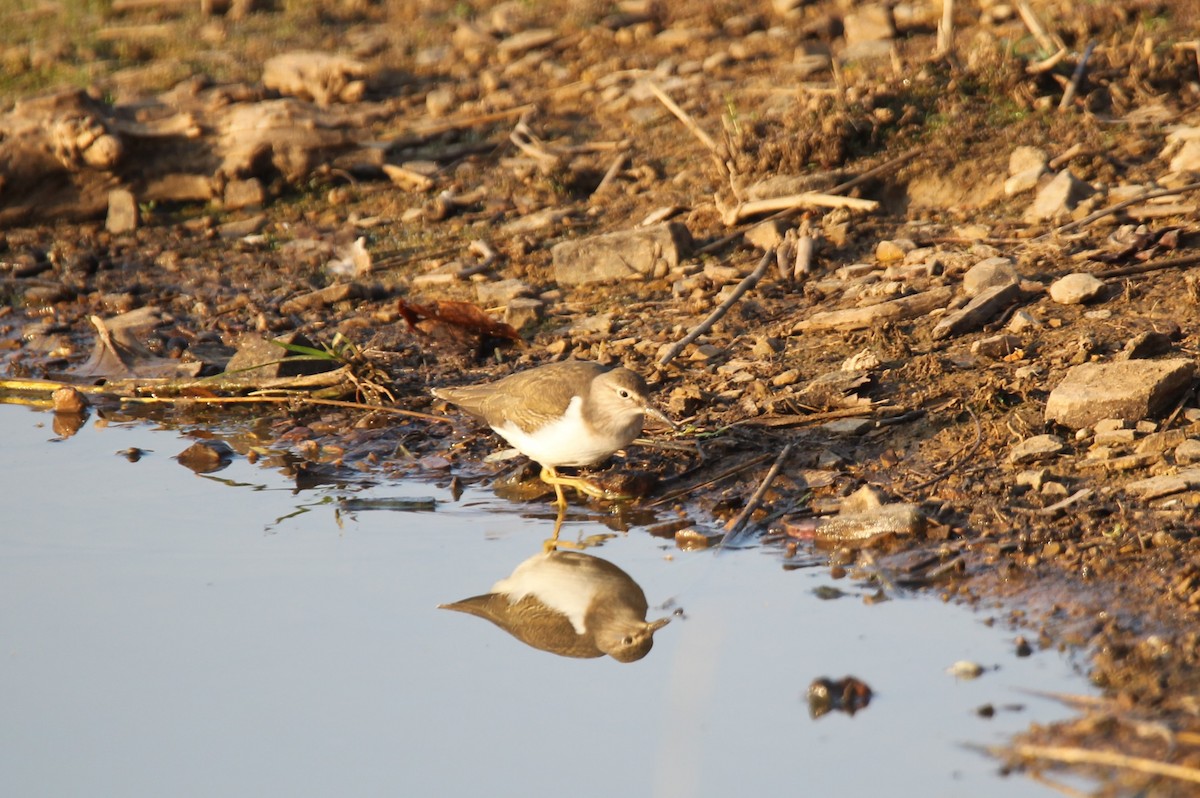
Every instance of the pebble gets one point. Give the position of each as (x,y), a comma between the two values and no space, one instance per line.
(1188,452)
(1076,289)
(890,251)
(1039,447)
(988,273)
(122,212)
(1057,198)
(1023,320)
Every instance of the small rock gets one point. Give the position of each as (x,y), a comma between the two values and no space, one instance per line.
(1022,159)
(244,194)
(69,400)
(996,347)
(1058,198)
(1023,320)
(1165,484)
(1130,390)
(889,251)
(1159,442)
(988,273)
(1022,182)
(767,235)
(1076,289)
(324,297)
(1146,345)
(122,212)
(522,311)
(494,294)
(1188,158)
(869,23)
(1188,452)
(847,427)
(628,254)
(965,670)
(1109,424)
(693,538)
(439,102)
(1033,478)
(204,457)
(789,377)
(978,312)
(258,359)
(1039,447)
(1113,437)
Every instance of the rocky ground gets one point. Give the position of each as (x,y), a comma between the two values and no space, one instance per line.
(955,253)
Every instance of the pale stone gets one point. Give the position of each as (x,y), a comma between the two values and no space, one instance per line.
(122,212)
(1129,390)
(1039,447)
(1058,198)
(1076,289)
(627,254)
(1023,159)
(868,24)
(988,273)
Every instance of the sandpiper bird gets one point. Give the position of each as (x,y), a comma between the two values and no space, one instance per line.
(571,604)
(573,413)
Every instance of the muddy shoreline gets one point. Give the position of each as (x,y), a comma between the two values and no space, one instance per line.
(470,207)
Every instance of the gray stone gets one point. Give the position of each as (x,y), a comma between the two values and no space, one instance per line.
(1023,181)
(1165,484)
(260,359)
(122,212)
(978,312)
(996,347)
(492,294)
(1130,390)
(1076,289)
(1023,159)
(1023,320)
(1146,345)
(987,273)
(628,254)
(1058,198)
(244,194)
(767,235)
(1188,452)
(521,311)
(1039,447)
(848,426)
(1188,157)
(868,24)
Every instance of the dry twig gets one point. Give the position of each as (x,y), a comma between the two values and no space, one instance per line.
(745,285)
(1085,756)
(683,116)
(735,526)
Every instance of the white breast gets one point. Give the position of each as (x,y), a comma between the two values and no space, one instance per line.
(568,441)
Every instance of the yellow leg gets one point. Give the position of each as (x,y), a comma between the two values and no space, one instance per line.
(552,477)
(550,544)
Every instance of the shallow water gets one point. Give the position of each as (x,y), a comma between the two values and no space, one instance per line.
(165,633)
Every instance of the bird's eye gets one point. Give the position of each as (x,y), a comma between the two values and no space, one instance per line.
(624,394)
(628,641)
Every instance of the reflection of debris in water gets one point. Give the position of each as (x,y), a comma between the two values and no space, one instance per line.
(848,695)
(570,604)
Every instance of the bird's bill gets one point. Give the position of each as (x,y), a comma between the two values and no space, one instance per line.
(654,626)
(654,412)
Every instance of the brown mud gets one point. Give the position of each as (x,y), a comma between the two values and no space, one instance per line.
(472,138)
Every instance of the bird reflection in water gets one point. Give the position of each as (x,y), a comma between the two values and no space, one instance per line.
(571,604)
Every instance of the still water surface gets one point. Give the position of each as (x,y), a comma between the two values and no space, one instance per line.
(164,633)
